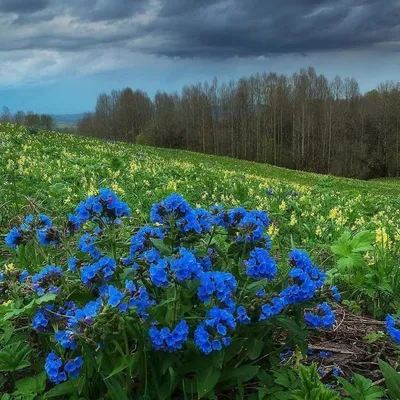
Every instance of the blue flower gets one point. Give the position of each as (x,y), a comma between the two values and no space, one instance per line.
(325,318)
(130,286)
(252,226)
(44,221)
(48,236)
(23,275)
(286,354)
(391,322)
(185,266)
(242,316)
(211,334)
(170,210)
(14,238)
(336,294)
(53,367)
(73,224)
(104,268)
(260,265)
(336,371)
(73,367)
(39,321)
(66,339)
(222,285)
(141,300)
(86,244)
(169,341)
(1,276)
(271,310)
(28,223)
(106,207)
(150,256)
(158,273)
(72,261)
(269,192)
(114,296)
(86,314)
(260,293)
(43,281)
(142,240)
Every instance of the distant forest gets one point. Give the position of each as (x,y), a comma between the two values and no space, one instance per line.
(303,121)
(30,119)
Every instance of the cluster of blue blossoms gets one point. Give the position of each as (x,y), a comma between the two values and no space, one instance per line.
(394,332)
(324,318)
(106,207)
(166,340)
(155,267)
(307,279)
(58,372)
(41,227)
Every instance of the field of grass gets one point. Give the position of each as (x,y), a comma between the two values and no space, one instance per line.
(351,228)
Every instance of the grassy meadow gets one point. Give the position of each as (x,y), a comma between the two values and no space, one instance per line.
(350,228)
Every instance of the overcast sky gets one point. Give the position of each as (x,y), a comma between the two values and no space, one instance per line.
(57,56)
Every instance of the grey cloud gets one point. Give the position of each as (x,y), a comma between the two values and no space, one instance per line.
(210,28)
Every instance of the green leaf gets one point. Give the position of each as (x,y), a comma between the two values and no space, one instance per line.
(35,384)
(392,379)
(241,374)
(161,246)
(254,347)
(206,380)
(118,368)
(64,388)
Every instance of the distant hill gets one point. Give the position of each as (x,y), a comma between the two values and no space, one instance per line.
(67,120)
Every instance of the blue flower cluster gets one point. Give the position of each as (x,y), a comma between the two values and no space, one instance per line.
(212,333)
(325,317)
(106,207)
(222,285)
(142,240)
(242,316)
(66,339)
(261,265)
(85,315)
(103,269)
(43,282)
(41,226)
(87,244)
(247,226)
(185,266)
(166,340)
(336,295)
(391,328)
(57,373)
(307,278)
(177,253)
(176,211)
(286,354)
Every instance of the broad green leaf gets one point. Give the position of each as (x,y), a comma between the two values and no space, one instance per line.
(254,347)
(206,380)
(392,379)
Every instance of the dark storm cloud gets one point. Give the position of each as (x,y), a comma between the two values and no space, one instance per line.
(22,6)
(209,28)
(261,27)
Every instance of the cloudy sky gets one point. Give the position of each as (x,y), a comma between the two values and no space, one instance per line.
(56,56)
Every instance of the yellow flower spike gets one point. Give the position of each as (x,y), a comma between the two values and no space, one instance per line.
(283,206)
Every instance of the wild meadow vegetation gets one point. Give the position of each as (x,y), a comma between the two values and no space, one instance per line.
(134,272)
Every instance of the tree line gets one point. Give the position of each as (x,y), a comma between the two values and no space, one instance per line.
(303,121)
(30,119)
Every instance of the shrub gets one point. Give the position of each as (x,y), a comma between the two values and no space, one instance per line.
(197,305)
